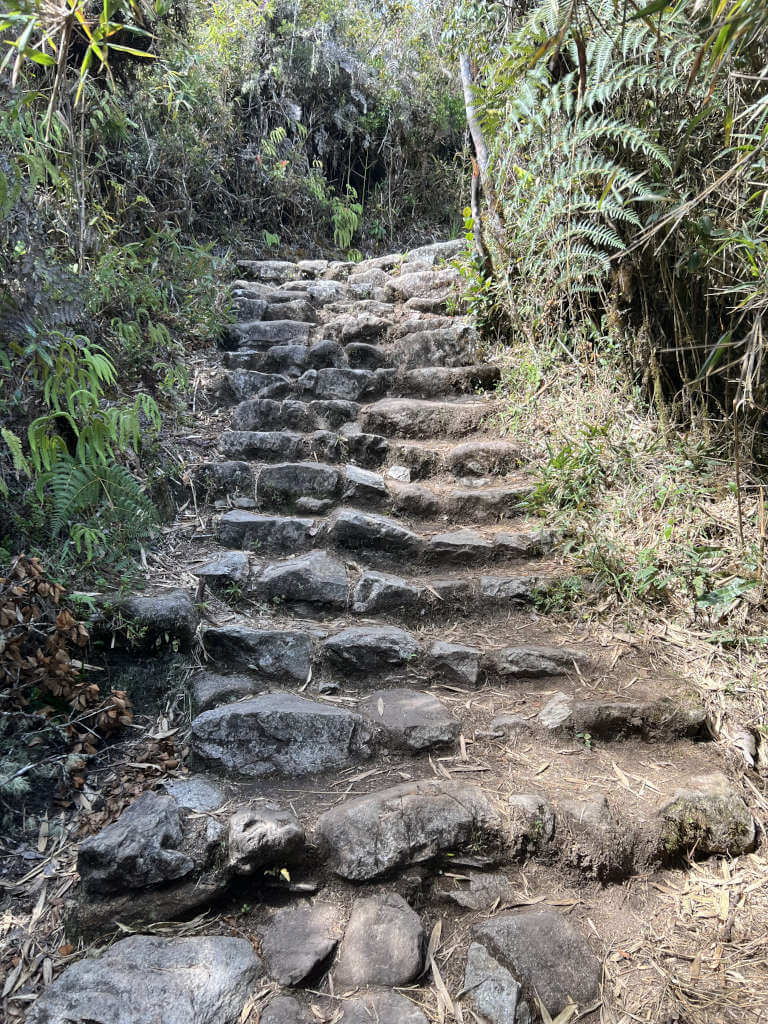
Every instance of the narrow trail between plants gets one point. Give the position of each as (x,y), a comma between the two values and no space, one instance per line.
(408,796)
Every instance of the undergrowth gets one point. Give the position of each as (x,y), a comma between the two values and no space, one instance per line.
(650,516)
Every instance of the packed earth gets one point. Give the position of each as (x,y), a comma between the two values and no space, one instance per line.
(400,793)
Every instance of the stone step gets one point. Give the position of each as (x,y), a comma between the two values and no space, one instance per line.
(375,536)
(366,450)
(266,414)
(247,659)
(419,418)
(290,360)
(255,334)
(355,384)
(312,486)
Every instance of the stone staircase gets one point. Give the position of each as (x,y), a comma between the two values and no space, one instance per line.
(398,766)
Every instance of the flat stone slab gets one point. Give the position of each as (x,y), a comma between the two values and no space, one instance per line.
(492,991)
(282,733)
(531,661)
(228,567)
(359,530)
(416,417)
(371,648)
(196,793)
(382,945)
(565,715)
(269,534)
(286,483)
(271,654)
(381,1007)
(149,980)
(298,940)
(381,591)
(316,579)
(544,954)
(408,824)
(209,689)
(410,719)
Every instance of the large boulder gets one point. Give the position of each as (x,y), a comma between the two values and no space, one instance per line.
(145,979)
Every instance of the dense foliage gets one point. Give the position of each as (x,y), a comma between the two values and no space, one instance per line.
(143,144)
(627,151)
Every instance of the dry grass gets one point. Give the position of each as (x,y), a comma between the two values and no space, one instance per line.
(667,554)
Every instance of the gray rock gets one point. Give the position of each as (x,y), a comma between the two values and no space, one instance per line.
(239,385)
(269,271)
(436,252)
(272,654)
(545,954)
(265,533)
(300,309)
(210,690)
(372,835)
(365,328)
(491,989)
(332,413)
(532,661)
(382,945)
(142,848)
(264,414)
(149,980)
(516,589)
(298,940)
(285,1010)
(371,648)
(359,530)
(564,714)
(414,417)
(315,578)
(364,488)
(221,478)
(196,793)
(261,836)
(324,292)
(384,1007)
(707,816)
(380,591)
(366,357)
(531,825)
(416,721)
(260,444)
(325,354)
(249,308)
(421,283)
(285,483)
(460,545)
(228,567)
(479,458)
(455,662)
(346,384)
(157,619)
(262,333)
(486,891)
(280,732)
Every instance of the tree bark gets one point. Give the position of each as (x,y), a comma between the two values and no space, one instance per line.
(495,214)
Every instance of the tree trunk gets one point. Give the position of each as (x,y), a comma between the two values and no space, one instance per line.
(495,214)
